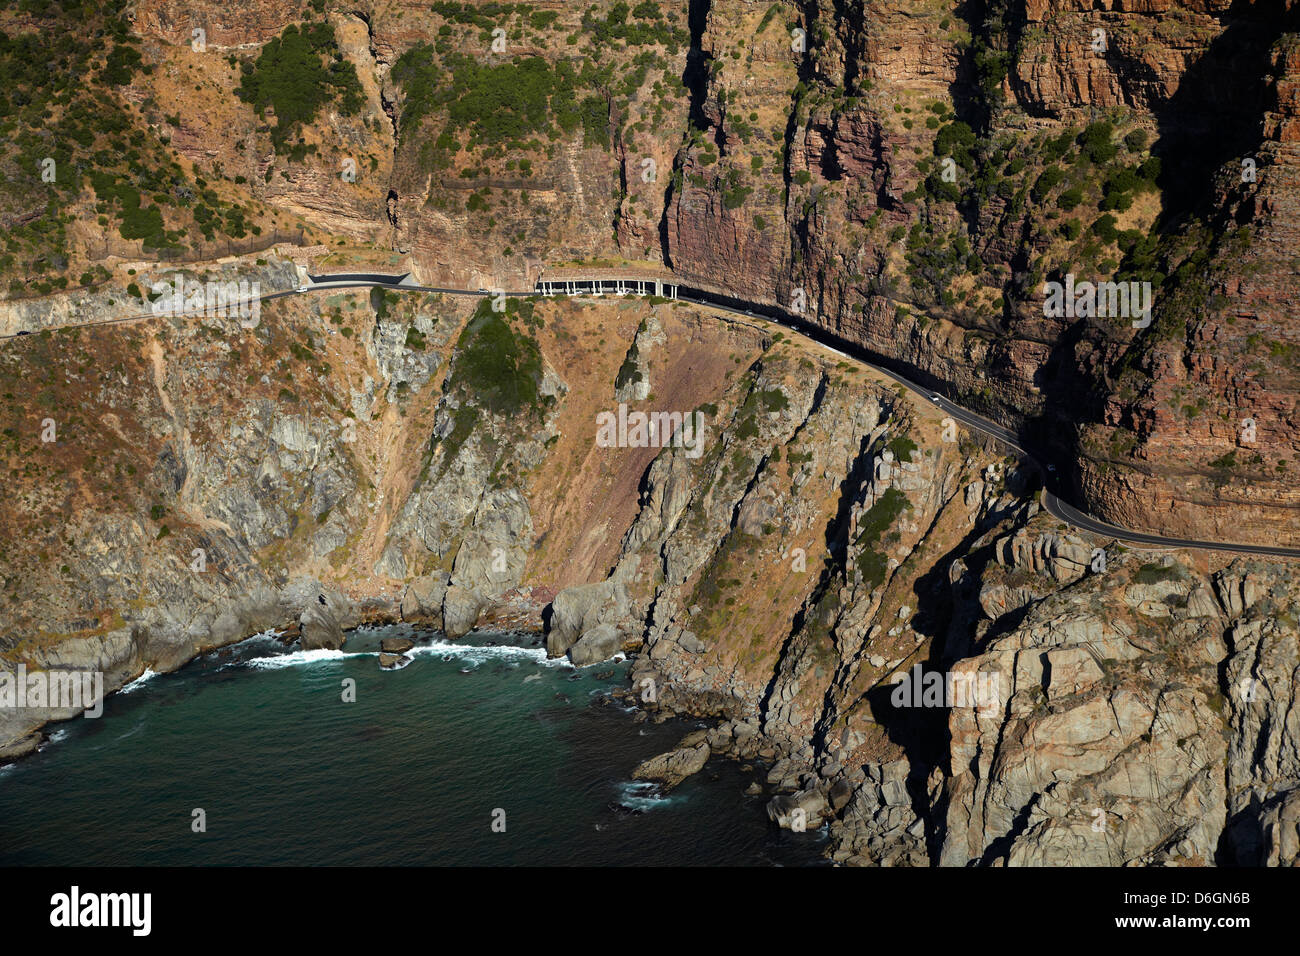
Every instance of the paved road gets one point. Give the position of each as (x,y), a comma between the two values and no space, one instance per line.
(1052,503)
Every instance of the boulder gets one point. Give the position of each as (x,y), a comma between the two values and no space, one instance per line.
(460,611)
(324,619)
(396,645)
(798,811)
(599,644)
(1063,558)
(579,609)
(675,766)
(320,630)
(423,599)
(841,793)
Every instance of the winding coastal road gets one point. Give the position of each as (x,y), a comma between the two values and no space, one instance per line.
(1052,503)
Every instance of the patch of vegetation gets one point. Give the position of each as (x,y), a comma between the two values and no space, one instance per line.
(496,106)
(1155,573)
(873,523)
(711,590)
(902,447)
(296,74)
(496,367)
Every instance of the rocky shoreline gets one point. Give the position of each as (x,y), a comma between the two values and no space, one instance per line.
(832,535)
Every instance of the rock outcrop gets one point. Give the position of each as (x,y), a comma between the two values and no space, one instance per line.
(671,768)
(860,596)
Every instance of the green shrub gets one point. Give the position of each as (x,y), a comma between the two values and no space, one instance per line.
(496,368)
(296,74)
(1095,142)
(1046,182)
(1070,198)
(871,526)
(1155,573)
(902,446)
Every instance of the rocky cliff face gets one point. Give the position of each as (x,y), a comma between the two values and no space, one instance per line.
(909,178)
(947,278)
(241,23)
(868,601)
(806,561)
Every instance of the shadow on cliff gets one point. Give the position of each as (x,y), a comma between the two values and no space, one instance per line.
(1216,114)
(1211,121)
(695,78)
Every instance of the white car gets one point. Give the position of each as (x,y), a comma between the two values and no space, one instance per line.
(302,288)
(934,397)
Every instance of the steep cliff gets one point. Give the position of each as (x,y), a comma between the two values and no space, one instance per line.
(816,540)
(908,177)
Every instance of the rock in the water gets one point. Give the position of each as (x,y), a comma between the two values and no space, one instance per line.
(675,766)
(396,645)
(393,662)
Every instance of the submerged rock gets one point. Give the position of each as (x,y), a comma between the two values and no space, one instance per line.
(393,662)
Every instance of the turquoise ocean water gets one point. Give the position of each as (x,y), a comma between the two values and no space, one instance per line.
(412,773)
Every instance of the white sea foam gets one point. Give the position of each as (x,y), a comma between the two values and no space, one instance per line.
(270,633)
(139,682)
(53,738)
(477,654)
(643,795)
(403,661)
(296,658)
